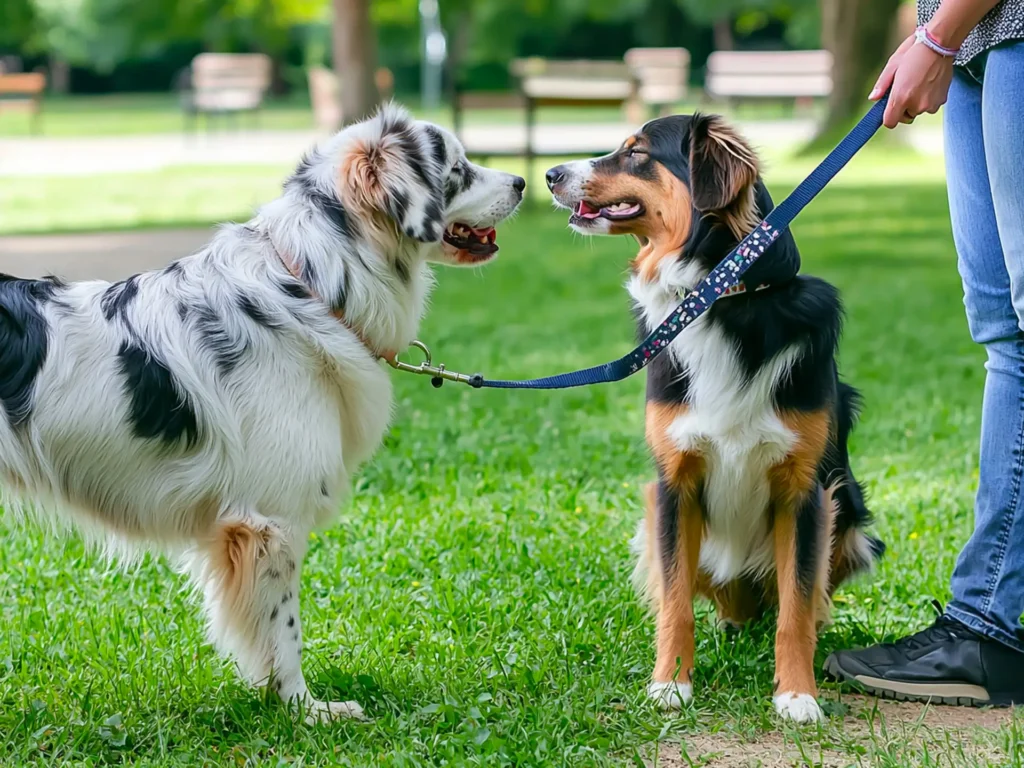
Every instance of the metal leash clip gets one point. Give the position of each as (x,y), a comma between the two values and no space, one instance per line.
(438,374)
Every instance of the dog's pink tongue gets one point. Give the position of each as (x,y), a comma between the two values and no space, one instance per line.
(587,211)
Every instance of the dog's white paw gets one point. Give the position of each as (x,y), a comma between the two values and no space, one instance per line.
(328,711)
(670,695)
(798,707)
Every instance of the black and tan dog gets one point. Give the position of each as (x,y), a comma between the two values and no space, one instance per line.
(755,503)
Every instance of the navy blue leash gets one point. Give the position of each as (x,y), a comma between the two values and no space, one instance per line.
(720,280)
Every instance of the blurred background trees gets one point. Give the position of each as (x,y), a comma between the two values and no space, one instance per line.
(94,46)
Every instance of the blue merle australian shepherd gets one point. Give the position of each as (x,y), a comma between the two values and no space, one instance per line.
(219,408)
(755,503)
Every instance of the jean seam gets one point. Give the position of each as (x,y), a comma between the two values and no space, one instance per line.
(1008,518)
(985,628)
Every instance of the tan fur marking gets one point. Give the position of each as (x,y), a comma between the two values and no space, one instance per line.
(682,470)
(791,480)
(361,188)
(651,558)
(675,623)
(668,225)
(236,549)
(797,473)
(795,635)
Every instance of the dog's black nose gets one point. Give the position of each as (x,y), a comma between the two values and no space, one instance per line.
(519,184)
(554,176)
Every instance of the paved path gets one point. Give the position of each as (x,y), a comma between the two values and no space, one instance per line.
(127,154)
(107,256)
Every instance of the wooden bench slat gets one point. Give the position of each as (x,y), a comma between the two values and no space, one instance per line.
(769,74)
(597,89)
(24,83)
(228,82)
(663,74)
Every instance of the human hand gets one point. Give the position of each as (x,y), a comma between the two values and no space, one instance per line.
(920,80)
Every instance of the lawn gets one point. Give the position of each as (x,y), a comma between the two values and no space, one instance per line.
(475,595)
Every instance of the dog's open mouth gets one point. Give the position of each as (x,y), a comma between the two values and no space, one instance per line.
(587,212)
(479,243)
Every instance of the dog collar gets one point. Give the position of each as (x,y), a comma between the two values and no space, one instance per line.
(389,355)
(733,290)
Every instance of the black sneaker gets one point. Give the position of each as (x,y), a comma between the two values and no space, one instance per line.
(948,663)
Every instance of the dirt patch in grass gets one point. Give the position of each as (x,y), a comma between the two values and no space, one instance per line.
(870,733)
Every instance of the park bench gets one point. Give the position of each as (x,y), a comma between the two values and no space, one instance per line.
(23,91)
(225,84)
(662,74)
(797,75)
(547,83)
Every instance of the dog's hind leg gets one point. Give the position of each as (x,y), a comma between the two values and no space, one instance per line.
(248,570)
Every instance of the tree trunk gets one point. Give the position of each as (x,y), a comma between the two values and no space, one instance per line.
(857,32)
(724,40)
(458,44)
(355,58)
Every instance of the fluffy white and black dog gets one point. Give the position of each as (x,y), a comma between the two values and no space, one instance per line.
(218,408)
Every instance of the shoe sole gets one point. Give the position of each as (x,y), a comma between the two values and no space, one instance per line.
(951,694)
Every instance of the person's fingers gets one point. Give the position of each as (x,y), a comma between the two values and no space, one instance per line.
(885,79)
(894,110)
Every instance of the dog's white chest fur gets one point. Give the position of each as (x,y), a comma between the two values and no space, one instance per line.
(732,423)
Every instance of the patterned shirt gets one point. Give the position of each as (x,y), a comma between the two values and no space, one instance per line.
(1002,23)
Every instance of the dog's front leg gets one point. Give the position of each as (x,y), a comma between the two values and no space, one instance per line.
(249,571)
(680,527)
(799,547)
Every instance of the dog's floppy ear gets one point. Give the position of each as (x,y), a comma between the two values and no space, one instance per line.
(389,168)
(723,167)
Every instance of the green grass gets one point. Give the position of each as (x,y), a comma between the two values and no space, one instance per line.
(200,196)
(475,594)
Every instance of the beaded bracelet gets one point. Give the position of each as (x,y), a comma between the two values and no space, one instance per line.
(924,37)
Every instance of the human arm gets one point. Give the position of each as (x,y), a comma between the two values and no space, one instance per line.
(919,76)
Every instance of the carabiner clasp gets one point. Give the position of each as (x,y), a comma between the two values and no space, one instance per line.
(438,374)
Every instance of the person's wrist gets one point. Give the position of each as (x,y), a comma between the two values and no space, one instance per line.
(923,37)
(945,34)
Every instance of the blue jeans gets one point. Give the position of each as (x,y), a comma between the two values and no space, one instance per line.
(984,130)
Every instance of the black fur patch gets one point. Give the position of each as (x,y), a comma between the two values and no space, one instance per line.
(809,520)
(667,520)
(119,297)
(24,342)
(851,508)
(159,410)
(256,313)
(295,289)
(438,147)
(227,350)
(326,205)
(460,179)
(402,270)
(413,155)
(399,205)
